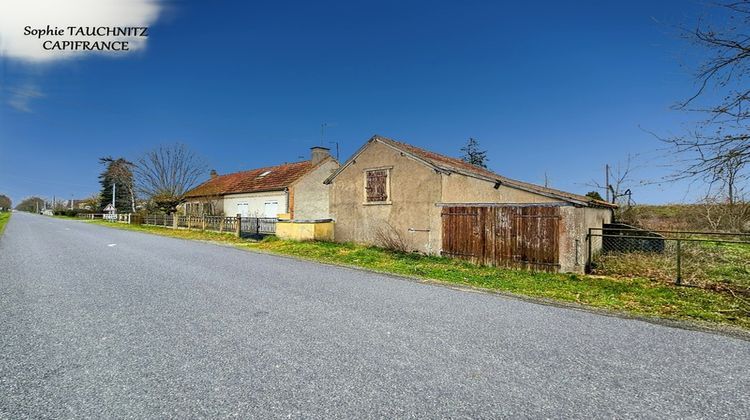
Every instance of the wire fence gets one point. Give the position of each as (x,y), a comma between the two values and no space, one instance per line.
(713,260)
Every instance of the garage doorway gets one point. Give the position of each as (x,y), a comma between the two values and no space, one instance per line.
(504,236)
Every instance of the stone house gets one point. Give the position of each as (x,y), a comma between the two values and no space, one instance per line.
(392,193)
(293,190)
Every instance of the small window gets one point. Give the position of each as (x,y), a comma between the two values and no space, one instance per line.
(376,187)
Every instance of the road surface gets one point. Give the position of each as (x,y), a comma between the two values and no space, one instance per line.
(100,323)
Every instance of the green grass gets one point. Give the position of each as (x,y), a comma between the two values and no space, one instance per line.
(4,217)
(637,296)
(703,264)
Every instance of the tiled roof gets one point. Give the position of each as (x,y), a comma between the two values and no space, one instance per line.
(277,178)
(450,164)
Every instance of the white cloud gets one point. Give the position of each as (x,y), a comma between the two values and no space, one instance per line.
(15,15)
(20,97)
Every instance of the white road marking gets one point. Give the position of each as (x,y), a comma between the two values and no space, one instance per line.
(111,245)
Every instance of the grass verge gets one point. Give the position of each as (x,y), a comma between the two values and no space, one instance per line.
(4,217)
(635,296)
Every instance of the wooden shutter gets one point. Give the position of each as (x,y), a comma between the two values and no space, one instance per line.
(377,182)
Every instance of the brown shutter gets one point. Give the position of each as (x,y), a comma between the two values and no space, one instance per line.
(376,185)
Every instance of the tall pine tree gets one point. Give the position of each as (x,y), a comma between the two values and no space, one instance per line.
(473,155)
(117,172)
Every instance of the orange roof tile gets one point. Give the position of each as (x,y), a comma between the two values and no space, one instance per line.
(278,178)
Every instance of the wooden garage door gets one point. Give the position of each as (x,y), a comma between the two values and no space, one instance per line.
(506,236)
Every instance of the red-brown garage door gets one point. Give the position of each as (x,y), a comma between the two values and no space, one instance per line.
(505,236)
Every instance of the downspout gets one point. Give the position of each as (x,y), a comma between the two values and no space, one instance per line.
(286,210)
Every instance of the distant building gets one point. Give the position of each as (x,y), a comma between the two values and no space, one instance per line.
(293,190)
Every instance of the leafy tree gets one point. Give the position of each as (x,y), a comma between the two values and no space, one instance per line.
(5,203)
(595,195)
(118,172)
(473,155)
(165,174)
(31,204)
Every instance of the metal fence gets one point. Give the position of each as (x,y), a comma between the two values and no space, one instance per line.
(258,225)
(715,260)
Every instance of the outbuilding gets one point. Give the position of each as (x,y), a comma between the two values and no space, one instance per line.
(393,194)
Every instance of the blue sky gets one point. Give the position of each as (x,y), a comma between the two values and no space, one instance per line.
(545,87)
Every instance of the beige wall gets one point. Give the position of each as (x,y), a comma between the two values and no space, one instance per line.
(412,216)
(310,194)
(458,188)
(576,222)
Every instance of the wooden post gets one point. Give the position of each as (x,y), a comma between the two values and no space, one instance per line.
(221,224)
(239,226)
(128,218)
(175,221)
(678,279)
(203,222)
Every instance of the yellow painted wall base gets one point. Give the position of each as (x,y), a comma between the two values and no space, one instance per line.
(305,230)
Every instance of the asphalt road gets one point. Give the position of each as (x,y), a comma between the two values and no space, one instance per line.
(100,323)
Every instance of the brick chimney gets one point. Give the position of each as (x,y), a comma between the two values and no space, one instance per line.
(318,153)
(214,174)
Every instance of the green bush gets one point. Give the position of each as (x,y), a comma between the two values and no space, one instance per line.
(70,212)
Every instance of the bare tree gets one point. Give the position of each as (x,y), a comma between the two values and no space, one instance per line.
(165,174)
(619,181)
(721,141)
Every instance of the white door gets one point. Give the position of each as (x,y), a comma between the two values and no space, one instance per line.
(243,209)
(271,209)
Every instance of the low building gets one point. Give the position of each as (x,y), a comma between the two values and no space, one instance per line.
(393,194)
(294,190)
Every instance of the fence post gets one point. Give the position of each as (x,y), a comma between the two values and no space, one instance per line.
(175,221)
(678,280)
(129,218)
(589,252)
(203,222)
(239,225)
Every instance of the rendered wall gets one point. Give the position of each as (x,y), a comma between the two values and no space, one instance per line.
(310,198)
(305,231)
(411,215)
(458,188)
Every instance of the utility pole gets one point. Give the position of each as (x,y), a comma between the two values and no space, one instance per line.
(606,180)
(113,194)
